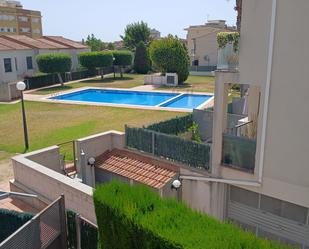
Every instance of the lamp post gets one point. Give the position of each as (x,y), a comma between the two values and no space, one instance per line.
(21,86)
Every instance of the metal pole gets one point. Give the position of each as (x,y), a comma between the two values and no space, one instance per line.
(24,121)
(63,222)
(78,231)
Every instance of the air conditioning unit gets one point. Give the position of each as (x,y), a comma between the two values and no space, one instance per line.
(171,79)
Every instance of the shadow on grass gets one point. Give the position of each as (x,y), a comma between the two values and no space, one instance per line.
(107,80)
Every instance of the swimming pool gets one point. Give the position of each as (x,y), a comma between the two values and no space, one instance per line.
(136,98)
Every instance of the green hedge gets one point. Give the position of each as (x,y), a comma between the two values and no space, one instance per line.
(173,126)
(99,59)
(54,63)
(10,221)
(134,217)
(191,153)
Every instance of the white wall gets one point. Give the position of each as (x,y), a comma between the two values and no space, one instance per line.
(21,71)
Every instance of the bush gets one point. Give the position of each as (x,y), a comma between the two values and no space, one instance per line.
(10,221)
(92,60)
(170,55)
(54,63)
(142,63)
(173,126)
(134,217)
(122,58)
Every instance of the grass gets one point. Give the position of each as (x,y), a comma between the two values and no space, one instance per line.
(128,81)
(194,83)
(51,123)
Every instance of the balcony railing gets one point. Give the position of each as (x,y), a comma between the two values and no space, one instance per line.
(238,152)
(227,58)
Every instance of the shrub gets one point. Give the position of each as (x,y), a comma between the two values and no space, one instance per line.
(122,58)
(10,221)
(94,60)
(142,63)
(170,55)
(54,63)
(223,38)
(134,217)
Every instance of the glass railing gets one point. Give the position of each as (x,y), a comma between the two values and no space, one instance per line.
(238,152)
(227,58)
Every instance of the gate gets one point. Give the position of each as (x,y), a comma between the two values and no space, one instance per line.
(68,157)
(46,230)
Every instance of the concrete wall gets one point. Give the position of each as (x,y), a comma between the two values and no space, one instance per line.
(48,185)
(49,158)
(204,119)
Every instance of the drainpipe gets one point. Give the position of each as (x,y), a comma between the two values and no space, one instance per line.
(267,87)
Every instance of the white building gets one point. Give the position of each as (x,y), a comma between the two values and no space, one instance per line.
(18,53)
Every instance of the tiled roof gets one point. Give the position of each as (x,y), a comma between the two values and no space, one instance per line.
(19,42)
(66,42)
(146,170)
(10,45)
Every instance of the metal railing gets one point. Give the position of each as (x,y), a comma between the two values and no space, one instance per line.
(45,230)
(235,130)
(68,156)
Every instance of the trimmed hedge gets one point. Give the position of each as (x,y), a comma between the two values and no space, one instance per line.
(122,58)
(134,217)
(93,60)
(54,63)
(10,221)
(173,126)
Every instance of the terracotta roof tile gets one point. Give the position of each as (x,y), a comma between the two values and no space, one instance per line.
(66,42)
(137,167)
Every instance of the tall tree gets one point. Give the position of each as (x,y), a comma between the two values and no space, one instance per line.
(142,63)
(135,33)
(94,43)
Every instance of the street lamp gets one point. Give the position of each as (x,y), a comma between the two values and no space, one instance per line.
(21,86)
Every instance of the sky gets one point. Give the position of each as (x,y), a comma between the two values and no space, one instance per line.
(75,19)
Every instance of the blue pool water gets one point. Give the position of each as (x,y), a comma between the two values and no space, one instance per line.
(187,101)
(171,100)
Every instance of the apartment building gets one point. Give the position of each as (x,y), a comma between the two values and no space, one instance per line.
(18,53)
(202,42)
(16,20)
(261,164)
(155,34)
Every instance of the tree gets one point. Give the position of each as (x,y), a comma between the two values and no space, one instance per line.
(135,33)
(54,63)
(142,63)
(94,60)
(170,55)
(122,58)
(94,43)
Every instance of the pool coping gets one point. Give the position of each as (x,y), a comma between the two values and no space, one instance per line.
(47,98)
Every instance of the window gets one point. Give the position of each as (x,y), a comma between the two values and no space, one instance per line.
(36,31)
(7,65)
(23,18)
(7,17)
(35,19)
(29,63)
(24,30)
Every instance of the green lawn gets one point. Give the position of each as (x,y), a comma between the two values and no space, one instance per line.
(128,81)
(193,83)
(51,123)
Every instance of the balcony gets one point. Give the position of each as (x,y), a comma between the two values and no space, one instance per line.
(227,58)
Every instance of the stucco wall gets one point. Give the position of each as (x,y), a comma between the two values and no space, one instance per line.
(50,185)
(285,173)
